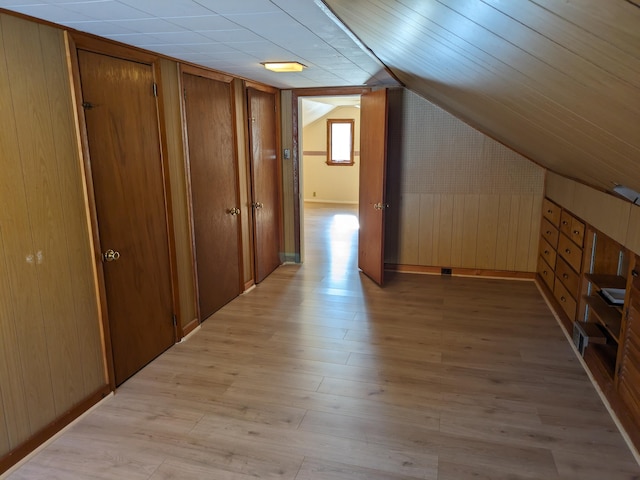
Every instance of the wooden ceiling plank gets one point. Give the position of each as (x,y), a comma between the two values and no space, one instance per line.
(503,78)
(578,40)
(614,21)
(525,50)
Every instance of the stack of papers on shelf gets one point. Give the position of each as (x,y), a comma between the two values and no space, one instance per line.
(613,295)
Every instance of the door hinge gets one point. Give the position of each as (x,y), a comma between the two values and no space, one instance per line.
(174,320)
(87,105)
(184,93)
(155,89)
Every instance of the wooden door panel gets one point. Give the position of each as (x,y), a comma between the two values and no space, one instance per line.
(265,175)
(214,191)
(126,166)
(373,158)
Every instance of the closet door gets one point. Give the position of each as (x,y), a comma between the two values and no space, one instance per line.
(214,190)
(265,176)
(126,165)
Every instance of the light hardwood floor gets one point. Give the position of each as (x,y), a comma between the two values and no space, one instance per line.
(319,374)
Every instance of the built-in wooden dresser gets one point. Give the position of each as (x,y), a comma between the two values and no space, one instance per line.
(578,266)
(560,260)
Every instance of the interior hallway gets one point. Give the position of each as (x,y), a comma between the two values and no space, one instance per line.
(319,374)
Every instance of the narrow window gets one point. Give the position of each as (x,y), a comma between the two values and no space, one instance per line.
(340,142)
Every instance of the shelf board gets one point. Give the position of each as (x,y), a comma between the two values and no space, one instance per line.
(610,317)
(606,281)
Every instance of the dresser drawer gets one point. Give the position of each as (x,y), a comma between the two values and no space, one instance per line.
(546,273)
(572,228)
(549,232)
(570,252)
(548,253)
(569,278)
(551,211)
(565,299)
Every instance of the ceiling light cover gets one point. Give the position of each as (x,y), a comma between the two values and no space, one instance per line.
(284,66)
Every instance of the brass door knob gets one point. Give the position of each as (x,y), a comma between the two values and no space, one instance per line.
(110,256)
(233,211)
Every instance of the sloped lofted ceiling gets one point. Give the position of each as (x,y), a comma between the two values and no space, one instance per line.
(556,80)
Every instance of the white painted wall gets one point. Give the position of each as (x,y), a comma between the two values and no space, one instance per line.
(331,184)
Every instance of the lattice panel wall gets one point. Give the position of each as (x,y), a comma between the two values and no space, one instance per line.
(457,197)
(441,154)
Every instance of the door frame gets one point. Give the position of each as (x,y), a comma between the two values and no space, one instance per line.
(278,134)
(79,41)
(221,77)
(296,94)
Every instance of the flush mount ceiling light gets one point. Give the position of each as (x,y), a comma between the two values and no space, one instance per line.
(284,66)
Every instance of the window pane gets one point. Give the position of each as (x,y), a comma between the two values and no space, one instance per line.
(341,142)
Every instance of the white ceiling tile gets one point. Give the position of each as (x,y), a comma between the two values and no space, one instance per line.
(185,37)
(137,39)
(52,13)
(226,35)
(232,36)
(98,27)
(107,10)
(205,22)
(148,25)
(239,6)
(168,8)
(263,22)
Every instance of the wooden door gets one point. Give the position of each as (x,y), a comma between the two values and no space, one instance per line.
(214,190)
(373,159)
(265,176)
(126,165)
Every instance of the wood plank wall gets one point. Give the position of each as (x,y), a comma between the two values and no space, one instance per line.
(457,198)
(615,217)
(51,349)
(179,195)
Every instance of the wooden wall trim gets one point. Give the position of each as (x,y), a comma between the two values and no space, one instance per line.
(262,87)
(91,208)
(205,72)
(330,91)
(50,430)
(459,272)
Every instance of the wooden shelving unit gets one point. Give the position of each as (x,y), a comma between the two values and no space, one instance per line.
(607,262)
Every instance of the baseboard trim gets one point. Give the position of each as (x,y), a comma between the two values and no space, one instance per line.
(189,328)
(460,272)
(21,454)
(250,285)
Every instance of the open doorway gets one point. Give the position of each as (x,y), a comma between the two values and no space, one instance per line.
(329,160)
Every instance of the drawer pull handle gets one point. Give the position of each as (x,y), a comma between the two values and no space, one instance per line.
(576,232)
(634,273)
(544,272)
(565,276)
(566,250)
(563,299)
(564,222)
(546,252)
(549,211)
(548,232)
